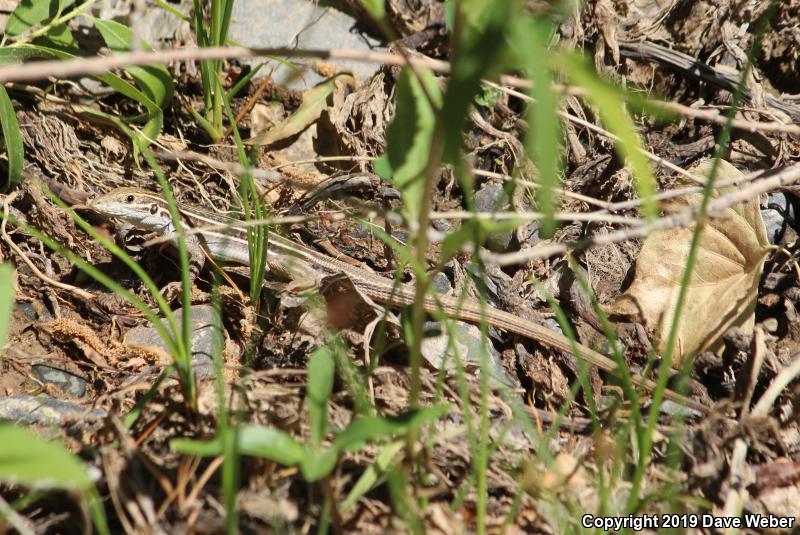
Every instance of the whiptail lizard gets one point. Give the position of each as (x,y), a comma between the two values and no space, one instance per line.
(149,211)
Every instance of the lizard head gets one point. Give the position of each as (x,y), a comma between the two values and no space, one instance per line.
(139,207)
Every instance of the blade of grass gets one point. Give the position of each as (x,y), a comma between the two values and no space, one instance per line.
(12,139)
(615,117)
(253,208)
(183,361)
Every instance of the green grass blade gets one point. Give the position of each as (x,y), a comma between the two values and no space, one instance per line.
(611,106)
(542,141)
(320,386)
(12,139)
(7,295)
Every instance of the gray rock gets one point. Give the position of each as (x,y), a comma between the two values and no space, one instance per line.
(492,198)
(775,212)
(68,382)
(43,410)
(442,283)
(469,345)
(301,24)
(202,338)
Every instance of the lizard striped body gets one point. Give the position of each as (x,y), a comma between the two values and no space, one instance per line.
(149,211)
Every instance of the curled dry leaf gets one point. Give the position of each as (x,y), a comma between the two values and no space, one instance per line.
(315,100)
(724,283)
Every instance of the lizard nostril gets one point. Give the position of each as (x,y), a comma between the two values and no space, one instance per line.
(129,198)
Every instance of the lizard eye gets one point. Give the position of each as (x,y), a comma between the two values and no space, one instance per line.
(153,209)
(129,199)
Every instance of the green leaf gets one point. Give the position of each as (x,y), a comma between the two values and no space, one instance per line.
(317,465)
(12,139)
(375,8)
(155,116)
(29,460)
(320,385)
(61,37)
(479,54)
(11,56)
(29,13)
(315,101)
(611,106)
(371,476)
(255,440)
(410,136)
(7,295)
(154,80)
(542,142)
(488,97)
(371,428)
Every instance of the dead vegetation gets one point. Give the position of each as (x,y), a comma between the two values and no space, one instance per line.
(80,360)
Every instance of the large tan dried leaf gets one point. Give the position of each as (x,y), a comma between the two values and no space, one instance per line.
(724,282)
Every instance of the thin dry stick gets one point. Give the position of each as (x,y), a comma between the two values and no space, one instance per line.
(271,175)
(99,64)
(715,116)
(566,193)
(77,291)
(598,130)
(14,519)
(778,384)
(774,179)
(536,216)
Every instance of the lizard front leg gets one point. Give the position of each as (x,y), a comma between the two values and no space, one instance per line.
(197,259)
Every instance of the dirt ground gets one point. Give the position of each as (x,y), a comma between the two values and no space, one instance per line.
(79,358)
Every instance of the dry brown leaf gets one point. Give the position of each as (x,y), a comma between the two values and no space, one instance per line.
(724,283)
(315,100)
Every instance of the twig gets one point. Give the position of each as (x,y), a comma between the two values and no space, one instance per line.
(17,521)
(598,130)
(778,384)
(77,291)
(777,179)
(714,116)
(99,64)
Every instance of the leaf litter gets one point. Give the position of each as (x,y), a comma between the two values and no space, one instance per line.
(724,282)
(738,290)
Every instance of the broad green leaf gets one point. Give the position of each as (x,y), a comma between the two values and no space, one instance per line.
(371,428)
(315,100)
(6,301)
(154,80)
(29,460)
(317,465)
(612,111)
(10,56)
(255,440)
(60,36)
(320,385)
(410,136)
(155,116)
(12,139)
(29,13)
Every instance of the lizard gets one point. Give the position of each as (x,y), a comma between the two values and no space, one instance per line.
(287,258)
